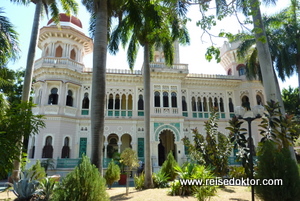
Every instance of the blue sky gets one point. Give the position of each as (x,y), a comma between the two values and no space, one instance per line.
(193,54)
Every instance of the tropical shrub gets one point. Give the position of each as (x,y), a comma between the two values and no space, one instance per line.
(275,163)
(193,171)
(237,172)
(139,182)
(83,183)
(47,186)
(26,188)
(38,170)
(160,180)
(212,149)
(167,167)
(112,173)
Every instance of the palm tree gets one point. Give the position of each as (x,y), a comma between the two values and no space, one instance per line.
(101,12)
(149,24)
(68,6)
(284,45)
(9,44)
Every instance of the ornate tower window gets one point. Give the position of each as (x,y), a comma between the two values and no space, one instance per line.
(53,97)
(73,54)
(58,51)
(174,99)
(69,101)
(156,99)
(48,149)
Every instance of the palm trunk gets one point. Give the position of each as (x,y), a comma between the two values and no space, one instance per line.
(265,59)
(264,55)
(148,171)
(28,76)
(99,85)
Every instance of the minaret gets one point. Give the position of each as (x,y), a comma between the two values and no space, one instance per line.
(65,47)
(229,58)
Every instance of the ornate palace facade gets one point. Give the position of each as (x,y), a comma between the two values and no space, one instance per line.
(180,101)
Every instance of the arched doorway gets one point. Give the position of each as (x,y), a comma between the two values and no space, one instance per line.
(126,142)
(112,146)
(166,144)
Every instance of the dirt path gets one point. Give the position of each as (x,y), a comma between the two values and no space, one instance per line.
(230,193)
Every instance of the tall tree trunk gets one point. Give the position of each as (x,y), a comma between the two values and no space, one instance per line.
(148,171)
(28,76)
(99,85)
(264,56)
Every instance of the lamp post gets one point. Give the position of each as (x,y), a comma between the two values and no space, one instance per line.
(255,113)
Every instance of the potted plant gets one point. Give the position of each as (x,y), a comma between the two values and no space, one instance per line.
(117,157)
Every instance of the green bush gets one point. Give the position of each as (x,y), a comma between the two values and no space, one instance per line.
(112,173)
(237,172)
(139,182)
(274,163)
(83,183)
(168,167)
(193,171)
(160,180)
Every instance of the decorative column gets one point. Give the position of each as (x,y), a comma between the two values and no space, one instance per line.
(119,147)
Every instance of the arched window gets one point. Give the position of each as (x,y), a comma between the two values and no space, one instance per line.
(117,102)
(65,152)
(69,101)
(58,51)
(111,102)
(221,105)
(231,107)
(32,150)
(193,104)
(184,106)
(141,103)
(48,149)
(86,101)
(205,104)
(53,97)
(210,103)
(156,99)
(73,54)
(123,102)
(241,68)
(129,104)
(174,99)
(229,72)
(47,52)
(199,105)
(216,105)
(246,103)
(166,99)
(259,100)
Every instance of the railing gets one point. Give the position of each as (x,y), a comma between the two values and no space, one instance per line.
(118,113)
(67,162)
(161,110)
(116,71)
(211,76)
(174,66)
(58,63)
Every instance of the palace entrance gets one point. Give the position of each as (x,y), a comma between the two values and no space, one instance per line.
(166,144)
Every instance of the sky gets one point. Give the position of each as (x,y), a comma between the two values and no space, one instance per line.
(192,54)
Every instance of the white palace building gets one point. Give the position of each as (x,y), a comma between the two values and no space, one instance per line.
(180,101)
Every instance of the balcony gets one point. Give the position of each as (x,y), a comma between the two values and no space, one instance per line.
(162,67)
(58,63)
(166,111)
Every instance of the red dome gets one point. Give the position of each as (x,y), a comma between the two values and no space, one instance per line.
(64,18)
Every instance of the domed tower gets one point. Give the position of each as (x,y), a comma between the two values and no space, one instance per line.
(229,60)
(64,47)
(60,86)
